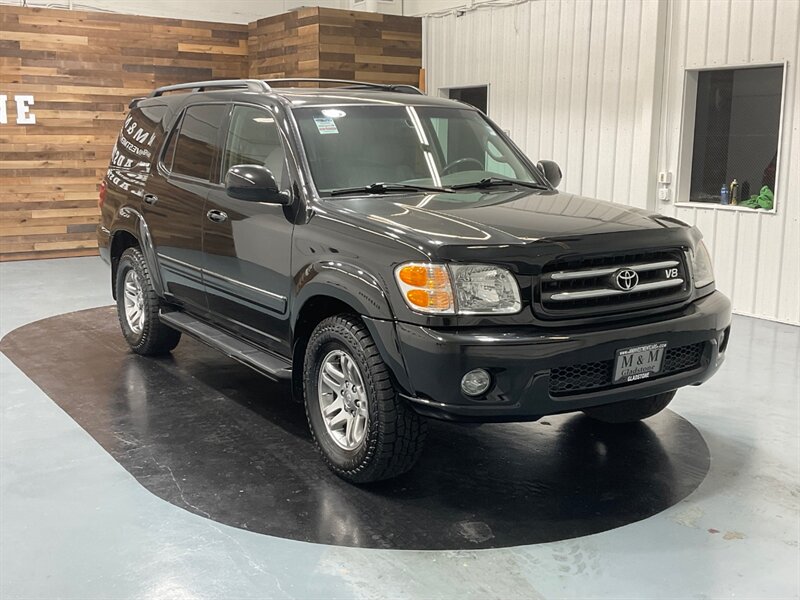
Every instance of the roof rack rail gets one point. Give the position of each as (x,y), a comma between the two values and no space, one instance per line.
(403,88)
(253,85)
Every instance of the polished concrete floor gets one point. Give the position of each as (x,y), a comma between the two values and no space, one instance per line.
(243,455)
(74,523)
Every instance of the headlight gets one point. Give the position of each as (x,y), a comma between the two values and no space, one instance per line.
(485,289)
(458,289)
(702,267)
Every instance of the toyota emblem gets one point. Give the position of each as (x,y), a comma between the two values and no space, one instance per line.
(626,279)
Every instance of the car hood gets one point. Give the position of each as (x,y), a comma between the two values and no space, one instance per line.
(481,219)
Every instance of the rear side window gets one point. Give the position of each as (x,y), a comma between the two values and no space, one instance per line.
(196,141)
(135,144)
(169,151)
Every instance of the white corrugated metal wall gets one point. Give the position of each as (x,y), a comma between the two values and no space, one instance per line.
(572,81)
(581,82)
(756,254)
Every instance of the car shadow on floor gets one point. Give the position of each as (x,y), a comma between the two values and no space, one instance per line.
(211,436)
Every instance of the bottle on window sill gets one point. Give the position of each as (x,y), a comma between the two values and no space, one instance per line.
(724,198)
(734,194)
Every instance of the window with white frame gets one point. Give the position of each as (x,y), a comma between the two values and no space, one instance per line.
(735,141)
(474,95)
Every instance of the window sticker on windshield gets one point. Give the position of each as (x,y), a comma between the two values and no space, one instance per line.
(325,125)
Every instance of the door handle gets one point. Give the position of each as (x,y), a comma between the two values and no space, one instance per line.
(217,216)
(150,199)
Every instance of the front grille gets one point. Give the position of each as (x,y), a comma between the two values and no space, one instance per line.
(585,286)
(595,376)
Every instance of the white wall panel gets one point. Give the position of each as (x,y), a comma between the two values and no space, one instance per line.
(413,8)
(572,80)
(756,254)
(598,86)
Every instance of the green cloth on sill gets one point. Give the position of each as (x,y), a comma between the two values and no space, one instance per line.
(765,200)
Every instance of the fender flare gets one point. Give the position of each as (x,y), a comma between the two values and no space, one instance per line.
(349,283)
(362,291)
(131,221)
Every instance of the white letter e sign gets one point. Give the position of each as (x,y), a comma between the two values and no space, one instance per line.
(24,114)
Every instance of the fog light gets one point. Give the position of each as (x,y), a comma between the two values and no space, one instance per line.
(476,382)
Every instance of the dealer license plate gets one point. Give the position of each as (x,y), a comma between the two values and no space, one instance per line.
(639,362)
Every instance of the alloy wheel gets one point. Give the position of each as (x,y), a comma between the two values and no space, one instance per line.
(342,399)
(134,302)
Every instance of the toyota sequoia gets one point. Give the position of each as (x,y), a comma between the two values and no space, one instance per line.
(395,257)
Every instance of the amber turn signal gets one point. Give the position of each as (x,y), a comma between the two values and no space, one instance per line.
(424,276)
(415,275)
(426,287)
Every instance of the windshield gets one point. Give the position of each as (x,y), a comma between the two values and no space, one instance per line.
(356,146)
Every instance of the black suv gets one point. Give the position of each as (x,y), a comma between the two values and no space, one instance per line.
(395,257)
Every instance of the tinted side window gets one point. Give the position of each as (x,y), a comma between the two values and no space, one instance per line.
(254,139)
(194,149)
(169,151)
(134,147)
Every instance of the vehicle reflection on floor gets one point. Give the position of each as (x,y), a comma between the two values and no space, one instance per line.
(215,438)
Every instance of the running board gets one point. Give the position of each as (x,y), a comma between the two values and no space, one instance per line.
(267,363)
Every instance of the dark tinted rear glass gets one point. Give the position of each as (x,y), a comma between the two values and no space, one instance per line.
(194,151)
(169,151)
(134,146)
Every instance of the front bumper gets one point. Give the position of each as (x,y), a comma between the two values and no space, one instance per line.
(520,360)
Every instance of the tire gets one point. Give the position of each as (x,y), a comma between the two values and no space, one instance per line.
(391,435)
(631,411)
(143,330)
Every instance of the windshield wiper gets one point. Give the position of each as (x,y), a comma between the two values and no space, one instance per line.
(385,188)
(493,181)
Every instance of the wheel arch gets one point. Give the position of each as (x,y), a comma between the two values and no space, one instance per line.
(336,288)
(349,283)
(131,230)
(121,240)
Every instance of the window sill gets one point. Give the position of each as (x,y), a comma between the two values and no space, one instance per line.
(735,208)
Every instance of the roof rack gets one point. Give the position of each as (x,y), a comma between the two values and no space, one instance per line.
(252,85)
(403,88)
(259,85)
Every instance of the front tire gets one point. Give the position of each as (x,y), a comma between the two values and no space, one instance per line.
(630,411)
(138,305)
(363,430)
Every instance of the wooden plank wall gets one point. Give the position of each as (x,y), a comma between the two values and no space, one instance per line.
(285,45)
(82,69)
(337,44)
(369,46)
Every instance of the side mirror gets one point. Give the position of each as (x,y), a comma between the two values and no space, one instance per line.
(255,183)
(551,171)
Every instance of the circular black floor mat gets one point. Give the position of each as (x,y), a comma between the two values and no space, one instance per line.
(209,435)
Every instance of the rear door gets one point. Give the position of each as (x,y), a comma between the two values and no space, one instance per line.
(173,206)
(248,244)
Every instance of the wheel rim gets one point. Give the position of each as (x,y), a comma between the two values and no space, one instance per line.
(133,296)
(342,399)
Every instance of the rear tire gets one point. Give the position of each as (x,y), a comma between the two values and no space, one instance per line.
(630,411)
(138,305)
(345,376)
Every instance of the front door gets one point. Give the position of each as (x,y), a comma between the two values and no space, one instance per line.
(173,204)
(247,244)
